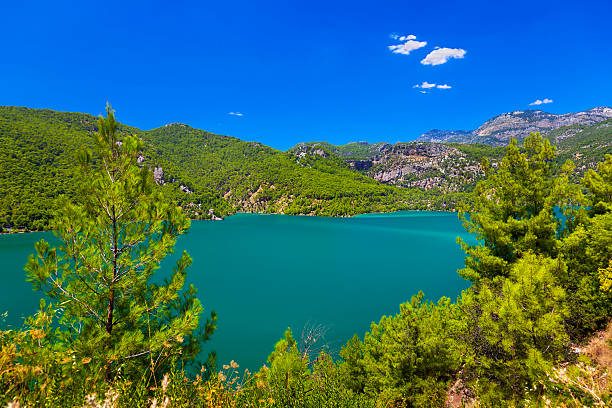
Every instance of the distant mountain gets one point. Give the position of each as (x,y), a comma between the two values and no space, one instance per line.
(584,145)
(518,124)
(446,136)
(455,167)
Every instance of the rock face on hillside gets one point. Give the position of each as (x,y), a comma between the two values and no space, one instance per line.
(518,124)
(422,165)
(303,149)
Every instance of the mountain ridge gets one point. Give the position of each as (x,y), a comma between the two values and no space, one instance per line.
(498,130)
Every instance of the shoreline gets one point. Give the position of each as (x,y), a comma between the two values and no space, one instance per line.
(264,213)
(21,232)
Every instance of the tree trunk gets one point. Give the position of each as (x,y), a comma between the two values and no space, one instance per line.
(111,299)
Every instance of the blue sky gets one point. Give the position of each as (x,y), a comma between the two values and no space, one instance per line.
(307,70)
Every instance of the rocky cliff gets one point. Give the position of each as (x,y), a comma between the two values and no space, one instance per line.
(518,124)
(450,160)
(423,165)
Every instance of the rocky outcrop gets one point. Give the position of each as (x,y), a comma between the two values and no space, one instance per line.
(212,216)
(185,189)
(158,175)
(302,150)
(425,166)
(518,124)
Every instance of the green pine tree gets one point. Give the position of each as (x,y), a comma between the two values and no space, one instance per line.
(114,236)
(516,209)
(408,357)
(587,251)
(515,329)
(599,184)
(605,277)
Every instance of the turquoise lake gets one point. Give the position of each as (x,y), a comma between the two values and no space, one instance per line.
(264,273)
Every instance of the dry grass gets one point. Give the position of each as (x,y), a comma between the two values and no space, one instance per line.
(594,381)
(599,348)
(460,396)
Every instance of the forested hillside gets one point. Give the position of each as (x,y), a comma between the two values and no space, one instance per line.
(37,162)
(353,150)
(208,175)
(37,150)
(256,178)
(211,176)
(584,145)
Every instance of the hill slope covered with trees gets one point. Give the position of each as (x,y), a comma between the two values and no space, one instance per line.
(201,171)
(211,175)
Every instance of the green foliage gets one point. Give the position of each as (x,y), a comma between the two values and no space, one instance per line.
(293,379)
(37,163)
(203,171)
(599,185)
(353,366)
(115,234)
(514,325)
(584,145)
(253,177)
(353,150)
(540,237)
(256,178)
(589,249)
(605,277)
(407,357)
(514,210)
(198,170)
(287,370)
(36,159)
(514,328)
(480,151)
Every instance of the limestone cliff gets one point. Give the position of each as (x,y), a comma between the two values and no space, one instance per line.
(518,124)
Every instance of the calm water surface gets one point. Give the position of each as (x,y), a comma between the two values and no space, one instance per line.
(263,273)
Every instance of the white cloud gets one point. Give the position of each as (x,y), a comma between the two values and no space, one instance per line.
(236,113)
(423,91)
(403,37)
(540,102)
(408,46)
(442,55)
(427,85)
